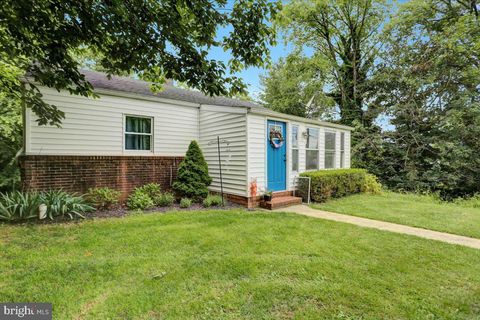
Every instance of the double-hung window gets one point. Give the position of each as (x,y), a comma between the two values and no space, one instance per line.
(138,133)
(342,150)
(295,148)
(312,149)
(329,150)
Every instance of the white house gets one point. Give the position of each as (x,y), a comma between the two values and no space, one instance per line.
(130,136)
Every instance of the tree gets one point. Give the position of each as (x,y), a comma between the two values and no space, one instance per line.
(294,86)
(429,82)
(156,39)
(345,38)
(192,178)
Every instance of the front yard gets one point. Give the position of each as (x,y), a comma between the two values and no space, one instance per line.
(235,264)
(410,209)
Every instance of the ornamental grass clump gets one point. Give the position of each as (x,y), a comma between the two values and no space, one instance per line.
(192,178)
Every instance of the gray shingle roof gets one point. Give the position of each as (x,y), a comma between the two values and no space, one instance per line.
(99,80)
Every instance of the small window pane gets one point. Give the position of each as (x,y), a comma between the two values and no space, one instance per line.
(295,160)
(342,159)
(342,141)
(312,160)
(330,140)
(137,142)
(138,125)
(312,138)
(329,159)
(294,137)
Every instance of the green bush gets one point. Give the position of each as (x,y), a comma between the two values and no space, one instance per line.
(152,189)
(192,178)
(164,199)
(212,200)
(103,198)
(185,203)
(326,184)
(17,206)
(60,203)
(371,184)
(139,199)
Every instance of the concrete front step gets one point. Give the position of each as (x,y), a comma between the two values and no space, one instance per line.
(280,202)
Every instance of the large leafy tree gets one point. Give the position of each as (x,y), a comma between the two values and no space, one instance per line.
(294,86)
(429,81)
(157,39)
(344,38)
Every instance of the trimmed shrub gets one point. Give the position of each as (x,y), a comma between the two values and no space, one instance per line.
(372,185)
(326,184)
(152,189)
(192,178)
(17,206)
(212,200)
(185,203)
(60,203)
(164,200)
(103,198)
(139,199)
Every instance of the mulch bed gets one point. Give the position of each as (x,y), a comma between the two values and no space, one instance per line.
(123,211)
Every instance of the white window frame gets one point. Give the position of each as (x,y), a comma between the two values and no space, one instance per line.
(296,148)
(151,134)
(342,149)
(330,150)
(313,149)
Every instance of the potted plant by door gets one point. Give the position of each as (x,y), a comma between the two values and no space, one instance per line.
(267,196)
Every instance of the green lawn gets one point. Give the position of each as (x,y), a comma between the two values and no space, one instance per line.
(235,264)
(410,209)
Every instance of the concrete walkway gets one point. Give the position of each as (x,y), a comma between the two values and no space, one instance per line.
(387,226)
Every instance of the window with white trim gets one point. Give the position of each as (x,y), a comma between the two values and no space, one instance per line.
(138,133)
(295,148)
(342,150)
(329,150)
(312,149)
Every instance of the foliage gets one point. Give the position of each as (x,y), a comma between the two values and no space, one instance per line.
(18,206)
(156,39)
(428,81)
(60,204)
(152,189)
(103,198)
(139,199)
(326,184)
(293,86)
(192,178)
(164,199)
(344,36)
(185,203)
(212,201)
(372,185)
(11,139)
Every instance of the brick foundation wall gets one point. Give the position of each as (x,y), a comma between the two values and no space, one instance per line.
(78,173)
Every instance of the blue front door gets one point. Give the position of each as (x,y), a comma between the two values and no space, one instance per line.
(276,155)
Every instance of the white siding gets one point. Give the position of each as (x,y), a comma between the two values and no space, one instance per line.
(256,151)
(95,126)
(257,166)
(231,126)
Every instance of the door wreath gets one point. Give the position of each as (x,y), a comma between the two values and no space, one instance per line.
(276,138)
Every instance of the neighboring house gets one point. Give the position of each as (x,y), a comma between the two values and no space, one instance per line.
(131,136)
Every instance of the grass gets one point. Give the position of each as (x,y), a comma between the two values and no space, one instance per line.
(235,265)
(410,209)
